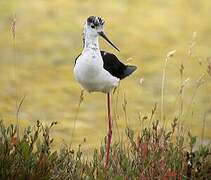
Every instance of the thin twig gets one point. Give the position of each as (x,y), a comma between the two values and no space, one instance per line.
(162,90)
(203,128)
(81,98)
(116,110)
(168,56)
(124,106)
(17,114)
(200,81)
(18,105)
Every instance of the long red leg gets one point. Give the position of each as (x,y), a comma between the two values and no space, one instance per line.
(109,129)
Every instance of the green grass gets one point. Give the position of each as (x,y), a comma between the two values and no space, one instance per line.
(48,38)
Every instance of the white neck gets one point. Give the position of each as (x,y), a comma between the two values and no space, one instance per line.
(91,42)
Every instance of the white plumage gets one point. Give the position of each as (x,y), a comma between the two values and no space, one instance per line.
(90,73)
(88,70)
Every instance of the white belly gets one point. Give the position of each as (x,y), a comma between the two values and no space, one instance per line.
(90,73)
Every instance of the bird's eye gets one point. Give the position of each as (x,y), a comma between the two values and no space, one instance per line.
(92,26)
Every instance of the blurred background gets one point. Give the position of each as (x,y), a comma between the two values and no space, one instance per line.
(38,64)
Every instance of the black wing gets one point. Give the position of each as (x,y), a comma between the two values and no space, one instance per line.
(115,67)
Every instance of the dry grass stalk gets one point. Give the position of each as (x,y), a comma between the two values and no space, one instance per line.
(192,44)
(81,98)
(168,56)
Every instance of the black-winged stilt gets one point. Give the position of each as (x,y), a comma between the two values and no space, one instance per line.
(98,70)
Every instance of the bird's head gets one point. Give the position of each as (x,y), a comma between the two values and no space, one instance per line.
(94,27)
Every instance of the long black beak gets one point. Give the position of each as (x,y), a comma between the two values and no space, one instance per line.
(104,36)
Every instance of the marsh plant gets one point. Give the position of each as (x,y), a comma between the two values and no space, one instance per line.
(155,153)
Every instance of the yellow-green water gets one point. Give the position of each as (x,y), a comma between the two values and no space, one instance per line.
(48,38)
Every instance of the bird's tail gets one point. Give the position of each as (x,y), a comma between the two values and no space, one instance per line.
(129,70)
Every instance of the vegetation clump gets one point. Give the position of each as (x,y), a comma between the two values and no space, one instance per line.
(156,153)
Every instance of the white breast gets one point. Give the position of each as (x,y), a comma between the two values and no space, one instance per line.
(90,73)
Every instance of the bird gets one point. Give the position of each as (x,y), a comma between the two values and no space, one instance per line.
(99,71)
